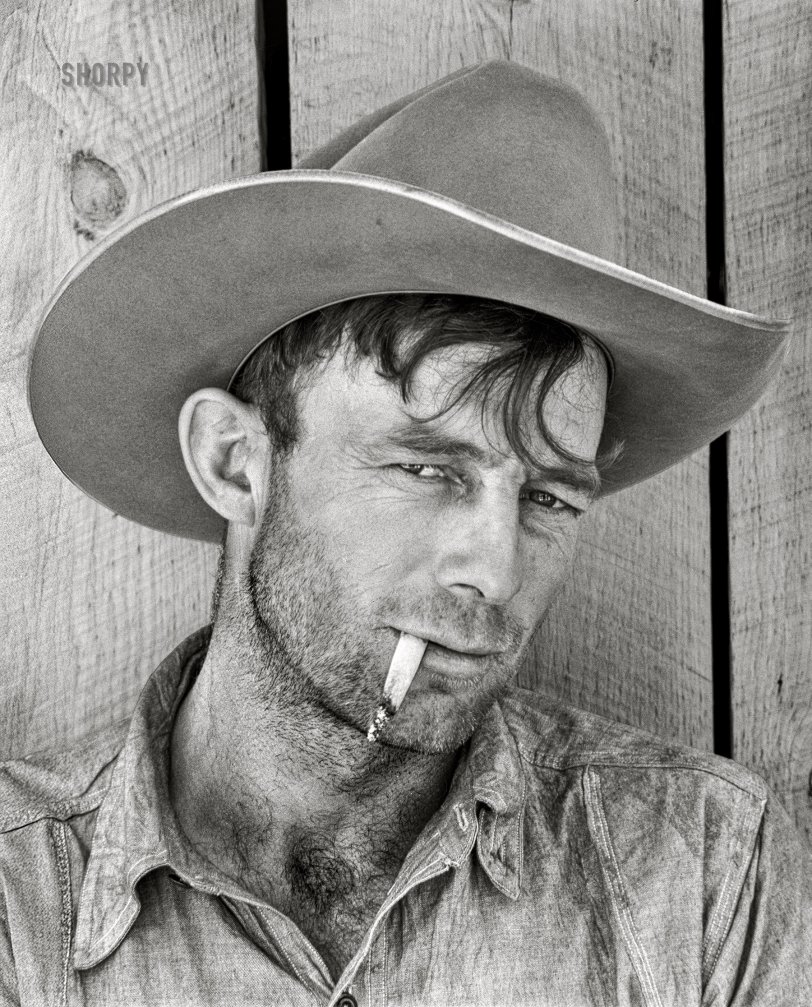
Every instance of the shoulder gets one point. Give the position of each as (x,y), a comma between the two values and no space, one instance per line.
(691,850)
(59,784)
(656,808)
(553,735)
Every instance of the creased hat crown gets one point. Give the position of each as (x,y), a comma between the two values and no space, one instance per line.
(499,137)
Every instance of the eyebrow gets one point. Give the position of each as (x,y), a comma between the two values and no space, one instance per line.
(580,475)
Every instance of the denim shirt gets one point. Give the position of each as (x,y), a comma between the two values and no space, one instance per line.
(574,862)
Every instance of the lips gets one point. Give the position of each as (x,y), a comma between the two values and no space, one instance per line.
(454,669)
(452,665)
(443,645)
(456,653)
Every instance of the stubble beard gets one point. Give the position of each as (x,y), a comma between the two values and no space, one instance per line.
(315,663)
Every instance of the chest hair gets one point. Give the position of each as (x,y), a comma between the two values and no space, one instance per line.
(332,892)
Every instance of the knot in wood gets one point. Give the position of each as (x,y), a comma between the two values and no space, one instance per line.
(96,190)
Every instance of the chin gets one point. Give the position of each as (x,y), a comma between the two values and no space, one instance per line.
(439,731)
(424,745)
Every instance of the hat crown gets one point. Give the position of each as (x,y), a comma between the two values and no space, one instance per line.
(500,138)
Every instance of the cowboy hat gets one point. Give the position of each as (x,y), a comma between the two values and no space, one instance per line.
(494,182)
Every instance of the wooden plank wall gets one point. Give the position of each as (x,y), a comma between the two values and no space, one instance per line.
(91,602)
(768,176)
(631,636)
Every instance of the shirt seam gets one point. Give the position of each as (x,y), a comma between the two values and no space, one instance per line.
(285,955)
(60,844)
(57,813)
(611,761)
(384,986)
(368,980)
(728,898)
(617,890)
(86,800)
(93,740)
(424,873)
(519,826)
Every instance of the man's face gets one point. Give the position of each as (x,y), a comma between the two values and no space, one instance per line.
(379,523)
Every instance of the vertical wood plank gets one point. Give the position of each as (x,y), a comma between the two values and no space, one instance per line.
(768,177)
(630,638)
(89,601)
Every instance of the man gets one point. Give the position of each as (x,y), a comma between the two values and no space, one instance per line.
(398,401)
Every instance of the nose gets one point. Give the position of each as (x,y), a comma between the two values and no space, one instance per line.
(479,548)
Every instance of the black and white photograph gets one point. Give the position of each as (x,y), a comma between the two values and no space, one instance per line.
(406,503)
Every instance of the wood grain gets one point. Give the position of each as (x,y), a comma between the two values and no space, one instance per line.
(89,601)
(631,636)
(768,178)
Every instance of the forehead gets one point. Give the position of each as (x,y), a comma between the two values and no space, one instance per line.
(347,393)
(573,407)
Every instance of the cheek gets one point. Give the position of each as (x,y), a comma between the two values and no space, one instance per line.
(547,566)
(377,537)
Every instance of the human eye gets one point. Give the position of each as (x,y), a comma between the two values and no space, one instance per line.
(421,470)
(543,500)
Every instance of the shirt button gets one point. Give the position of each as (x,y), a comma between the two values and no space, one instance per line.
(346,1000)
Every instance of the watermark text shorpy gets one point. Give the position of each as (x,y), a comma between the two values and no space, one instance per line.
(108,74)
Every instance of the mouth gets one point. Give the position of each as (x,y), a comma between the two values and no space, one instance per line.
(463,668)
(452,648)
(453,669)
(446,667)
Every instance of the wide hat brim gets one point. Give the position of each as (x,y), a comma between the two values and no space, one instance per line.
(177,299)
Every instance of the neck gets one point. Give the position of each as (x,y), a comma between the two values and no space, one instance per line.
(256,771)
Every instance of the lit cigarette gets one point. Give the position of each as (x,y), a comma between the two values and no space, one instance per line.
(405,662)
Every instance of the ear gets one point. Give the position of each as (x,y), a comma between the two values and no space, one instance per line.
(227,452)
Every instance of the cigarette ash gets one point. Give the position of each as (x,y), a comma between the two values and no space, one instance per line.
(382,715)
(402,669)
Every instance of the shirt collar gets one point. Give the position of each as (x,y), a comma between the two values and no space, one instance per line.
(137,831)
(486,805)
